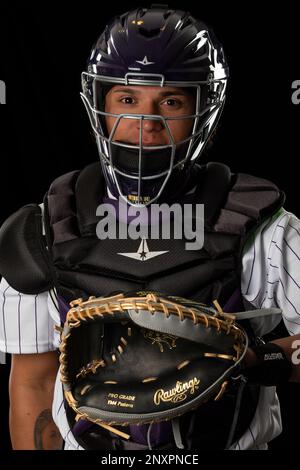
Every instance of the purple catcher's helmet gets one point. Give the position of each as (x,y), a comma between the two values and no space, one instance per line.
(159,47)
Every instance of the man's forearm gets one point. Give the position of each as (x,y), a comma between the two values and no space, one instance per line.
(31,423)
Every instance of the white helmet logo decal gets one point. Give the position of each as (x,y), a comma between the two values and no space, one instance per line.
(144,61)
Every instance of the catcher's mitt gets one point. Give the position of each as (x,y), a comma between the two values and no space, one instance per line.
(146,357)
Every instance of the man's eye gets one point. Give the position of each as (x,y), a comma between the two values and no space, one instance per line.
(127,100)
(172,102)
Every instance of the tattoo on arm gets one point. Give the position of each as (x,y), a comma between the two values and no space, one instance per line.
(46,434)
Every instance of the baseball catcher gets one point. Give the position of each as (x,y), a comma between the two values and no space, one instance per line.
(148,358)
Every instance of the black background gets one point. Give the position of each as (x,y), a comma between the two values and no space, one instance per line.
(45,131)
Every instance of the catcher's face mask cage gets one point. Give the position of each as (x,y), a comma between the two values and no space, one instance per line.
(163,48)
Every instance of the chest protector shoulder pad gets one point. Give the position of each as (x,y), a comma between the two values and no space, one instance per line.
(24,260)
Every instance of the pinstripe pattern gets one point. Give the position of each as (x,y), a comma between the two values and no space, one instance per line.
(286,297)
(36,325)
(273,277)
(294,228)
(287,244)
(19,322)
(270,272)
(253,438)
(59,408)
(48,331)
(26,325)
(251,270)
(294,280)
(3,319)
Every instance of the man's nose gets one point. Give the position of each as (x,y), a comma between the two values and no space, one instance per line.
(148,124)
(152,125)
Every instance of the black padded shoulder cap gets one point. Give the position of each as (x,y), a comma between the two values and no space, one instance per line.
(24,260)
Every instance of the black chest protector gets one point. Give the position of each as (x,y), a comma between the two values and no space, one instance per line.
(70,256)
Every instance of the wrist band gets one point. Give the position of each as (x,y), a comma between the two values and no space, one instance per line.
(273,367)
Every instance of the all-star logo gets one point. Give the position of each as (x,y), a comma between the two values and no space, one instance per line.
(143,253)
(145,61)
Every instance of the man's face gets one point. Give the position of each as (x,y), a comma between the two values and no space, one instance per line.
(162,101)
